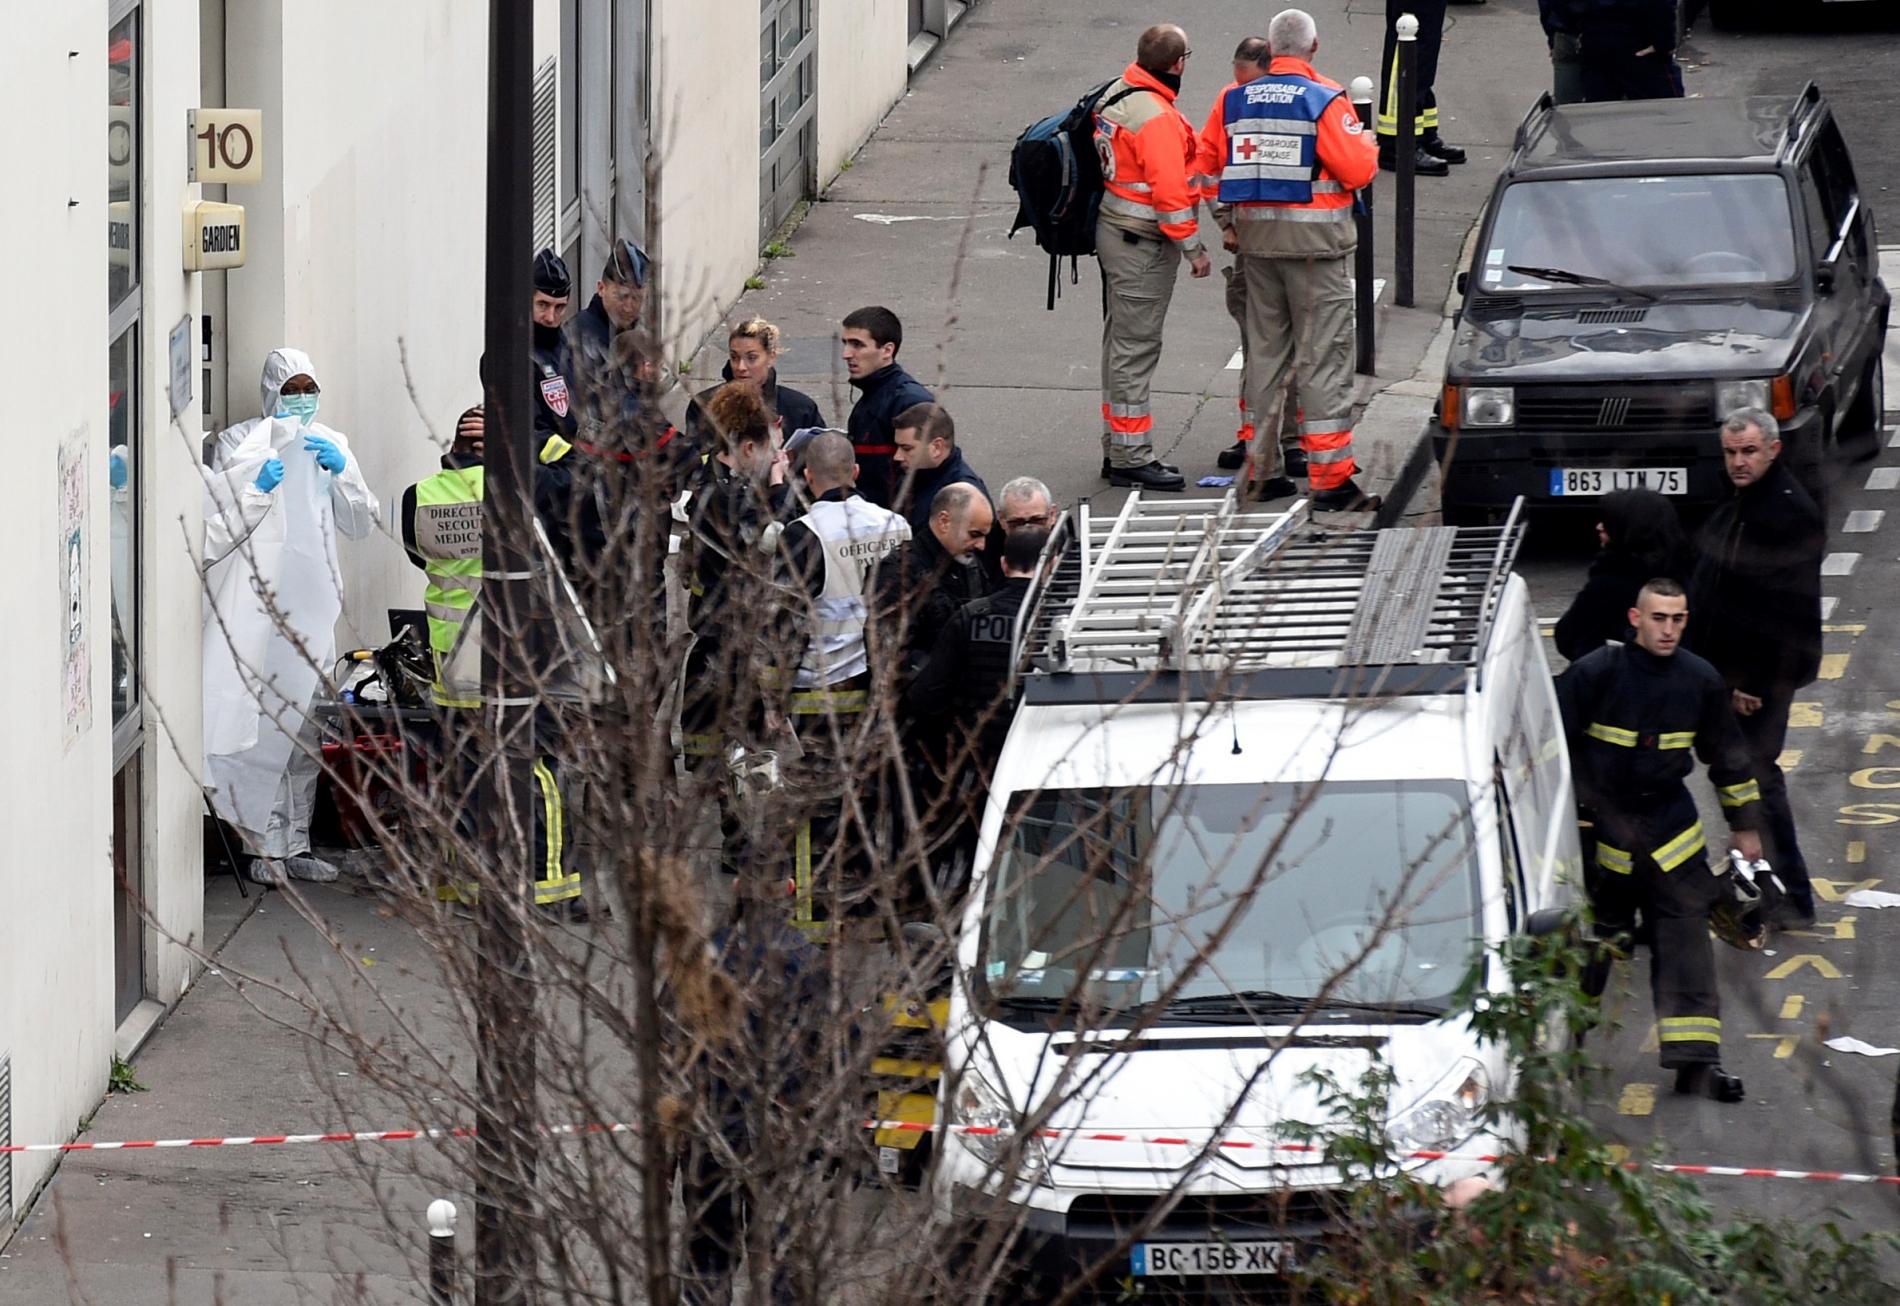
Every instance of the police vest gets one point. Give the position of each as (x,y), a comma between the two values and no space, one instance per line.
(855,536)
(448,535)
(1272,140)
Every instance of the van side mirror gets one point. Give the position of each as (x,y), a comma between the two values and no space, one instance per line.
(1551,920)
(1824,276)
(1462,281)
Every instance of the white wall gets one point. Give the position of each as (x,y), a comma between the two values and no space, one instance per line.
(55,889)
(861,73)
(368,244)
(705,137)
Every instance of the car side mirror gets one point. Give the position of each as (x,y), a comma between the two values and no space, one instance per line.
(1824,277)
(1551,920)
(1463,281)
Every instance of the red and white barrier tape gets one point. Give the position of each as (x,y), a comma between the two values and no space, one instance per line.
(917,1127)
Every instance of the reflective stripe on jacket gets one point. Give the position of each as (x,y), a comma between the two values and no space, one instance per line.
(854,536)
(445,532)
(1309,150)
(1148,150)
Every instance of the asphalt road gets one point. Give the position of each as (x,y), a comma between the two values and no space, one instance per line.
(1808,1108)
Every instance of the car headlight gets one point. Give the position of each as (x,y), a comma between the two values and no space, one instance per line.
(1446,1116)
(977,1106)
(1731,395)
(1489,405)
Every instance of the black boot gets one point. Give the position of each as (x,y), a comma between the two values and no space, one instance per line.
(1233,458)
(1149,476)
(1434,145)
(1295,458)
(1345,498)
(1709,1080)
(1423,164)
(1274,487)
(1108,473)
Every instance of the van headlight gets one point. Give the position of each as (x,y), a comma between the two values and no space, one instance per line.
(1446,1116)
(1731,395)
(974,1107)
(1489,405)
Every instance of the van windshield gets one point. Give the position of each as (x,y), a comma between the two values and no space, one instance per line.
(1102,898)
(1641,231)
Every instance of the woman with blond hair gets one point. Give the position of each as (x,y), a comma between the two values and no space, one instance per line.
(752,356)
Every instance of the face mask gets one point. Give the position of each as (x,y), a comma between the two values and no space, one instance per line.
(1170,80)
(302,407)
(546,337)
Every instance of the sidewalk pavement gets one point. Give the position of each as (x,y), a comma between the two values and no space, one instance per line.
(253,1225)
(919,224)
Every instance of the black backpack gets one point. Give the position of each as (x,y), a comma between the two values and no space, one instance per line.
(1057,177)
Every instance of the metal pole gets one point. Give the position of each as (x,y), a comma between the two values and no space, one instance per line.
(441,1253)
(1406,148)
(1365,344)
(505,1256)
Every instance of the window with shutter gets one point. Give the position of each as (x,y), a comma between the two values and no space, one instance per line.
(546,79)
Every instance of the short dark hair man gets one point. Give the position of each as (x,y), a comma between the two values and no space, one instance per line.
(1757,588)
(1637,716)
(943,567)
(605,370)
(870,338)
(926,459)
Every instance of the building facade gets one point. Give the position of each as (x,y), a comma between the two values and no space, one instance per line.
(364,248)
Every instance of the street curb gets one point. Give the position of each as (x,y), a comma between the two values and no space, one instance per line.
(1420,391)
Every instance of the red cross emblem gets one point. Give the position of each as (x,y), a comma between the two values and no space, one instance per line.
(1247,149)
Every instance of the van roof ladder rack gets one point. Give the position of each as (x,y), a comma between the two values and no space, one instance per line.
(1207,588)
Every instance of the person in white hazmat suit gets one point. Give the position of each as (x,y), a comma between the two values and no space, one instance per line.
(279,488)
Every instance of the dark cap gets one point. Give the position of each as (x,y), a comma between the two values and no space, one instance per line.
(551,275)
(627,265)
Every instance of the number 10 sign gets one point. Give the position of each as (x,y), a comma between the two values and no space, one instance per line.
(227,145)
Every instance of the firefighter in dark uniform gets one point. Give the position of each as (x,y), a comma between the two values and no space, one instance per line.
(1636,716)
(1434,156)
(552,355)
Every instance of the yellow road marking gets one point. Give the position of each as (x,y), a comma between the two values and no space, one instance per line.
(1789,759)
(1791,1006)
(1637,1099)
(1856,851)
(1827,968)
(1845,628)
(1805,716)
(1835,890)
(1877,742)
(1785,1044)
(1833,665)
(1871,777)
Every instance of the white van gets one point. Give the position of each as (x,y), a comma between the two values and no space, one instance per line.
(1333,764)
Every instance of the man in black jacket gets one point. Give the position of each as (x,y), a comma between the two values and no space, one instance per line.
(553,357)
(606,378)
(1611,49)
(871,338)
(942,568)
(925,460)
(1637,716)
(1757,595)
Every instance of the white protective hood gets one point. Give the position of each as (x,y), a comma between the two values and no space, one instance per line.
(257,681)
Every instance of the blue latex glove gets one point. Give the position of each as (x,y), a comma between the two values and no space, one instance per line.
(116,471)
(329,457)
(269,475)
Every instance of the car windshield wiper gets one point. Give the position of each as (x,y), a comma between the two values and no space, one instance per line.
(1261,1002)
(1564,276)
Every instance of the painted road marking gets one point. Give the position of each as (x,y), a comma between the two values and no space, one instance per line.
(1789,759)
(1826,968)
(1785,1044)
(1234,363)
(1835,890)
(1829,931)
(1856,851)
(1827,606)
(1848,628)
(1884,478)
(1833,665)
(1805,716)
(1791,1006)
(1893,437)
(1637,1099)
(1876,742)
(1839,564)
(1863,520)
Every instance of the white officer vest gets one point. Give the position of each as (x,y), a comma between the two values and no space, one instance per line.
(855,535)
